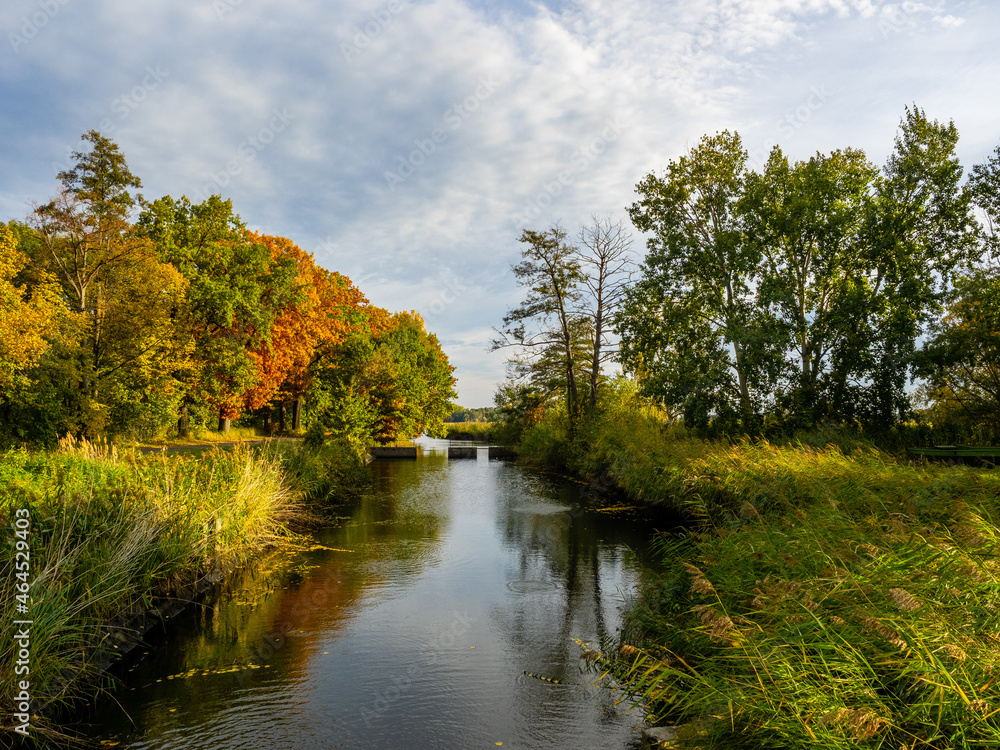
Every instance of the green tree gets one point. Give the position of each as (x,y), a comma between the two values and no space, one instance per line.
(806,220)
(691,327)
(919,231)
(984,185)
(961,359)
(383,382)
(546,330)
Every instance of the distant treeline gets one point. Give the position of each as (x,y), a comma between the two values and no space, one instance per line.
(120,316)
(461,414)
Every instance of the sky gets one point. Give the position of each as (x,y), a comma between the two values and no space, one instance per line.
(407,143)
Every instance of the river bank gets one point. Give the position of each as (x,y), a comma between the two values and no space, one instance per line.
(117,542)
(821,595)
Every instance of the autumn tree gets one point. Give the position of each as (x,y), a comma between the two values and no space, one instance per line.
(26,316)
(319,314)
(113,278)
(235,289)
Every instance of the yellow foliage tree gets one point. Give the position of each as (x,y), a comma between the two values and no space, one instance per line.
(24,317)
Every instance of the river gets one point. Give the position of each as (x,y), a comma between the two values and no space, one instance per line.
(413,626)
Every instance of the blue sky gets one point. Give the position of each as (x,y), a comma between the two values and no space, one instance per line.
(406,143)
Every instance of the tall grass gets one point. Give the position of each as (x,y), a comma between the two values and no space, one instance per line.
(839,624)
(476,431)
(829,596)
(110,532)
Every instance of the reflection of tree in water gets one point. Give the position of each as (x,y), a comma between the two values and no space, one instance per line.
(578,559)
(277,609)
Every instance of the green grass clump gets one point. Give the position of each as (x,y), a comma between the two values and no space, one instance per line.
(324,472)
(110,531)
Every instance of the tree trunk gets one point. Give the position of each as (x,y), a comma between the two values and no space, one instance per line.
(595,365)
(281,417)
(297,414)
(184,423)
(224,423)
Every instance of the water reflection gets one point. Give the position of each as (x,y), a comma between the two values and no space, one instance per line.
(413,625)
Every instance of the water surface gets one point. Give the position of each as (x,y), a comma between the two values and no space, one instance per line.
(412,627)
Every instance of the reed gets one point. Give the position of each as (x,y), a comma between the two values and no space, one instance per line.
(110,531)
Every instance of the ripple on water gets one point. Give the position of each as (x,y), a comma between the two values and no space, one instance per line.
(531,587)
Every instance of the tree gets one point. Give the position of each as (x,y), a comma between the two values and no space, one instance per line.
(605,263)
(806,220)
(545,325)
(385,381)
(961,361)
(919,232)
(113,279)
(25,316)
(321,313)
(235,288)
(984,185)
(691,325)
(85,231)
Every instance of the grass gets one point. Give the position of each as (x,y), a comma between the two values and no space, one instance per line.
(822,596)
(208,437)
(112,530)
(481,432)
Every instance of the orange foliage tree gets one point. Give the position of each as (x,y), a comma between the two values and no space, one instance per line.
(327,308)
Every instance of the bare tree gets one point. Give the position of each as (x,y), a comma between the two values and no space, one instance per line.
(604,255)
(561,332)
